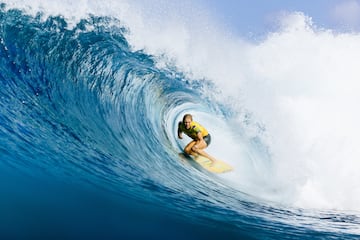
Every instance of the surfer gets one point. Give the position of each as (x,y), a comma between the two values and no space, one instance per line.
(201,137)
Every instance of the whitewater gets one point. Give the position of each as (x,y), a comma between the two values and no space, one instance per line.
(91,94)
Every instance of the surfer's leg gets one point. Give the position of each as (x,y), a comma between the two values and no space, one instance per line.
(205,154)
(188,148)
(200,150)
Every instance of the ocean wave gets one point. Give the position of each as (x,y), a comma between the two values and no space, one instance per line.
(81,106)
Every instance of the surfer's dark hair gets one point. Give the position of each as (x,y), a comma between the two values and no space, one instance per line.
(187,116)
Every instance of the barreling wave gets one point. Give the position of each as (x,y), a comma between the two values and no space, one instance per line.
(80,105)
(84,87)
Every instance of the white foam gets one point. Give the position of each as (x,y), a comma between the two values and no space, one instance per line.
(300,83)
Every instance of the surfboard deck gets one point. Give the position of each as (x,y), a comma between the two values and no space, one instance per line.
(217,167)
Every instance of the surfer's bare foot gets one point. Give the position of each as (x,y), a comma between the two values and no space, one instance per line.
(212,162)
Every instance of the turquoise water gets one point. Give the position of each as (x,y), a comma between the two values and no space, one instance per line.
(88,148)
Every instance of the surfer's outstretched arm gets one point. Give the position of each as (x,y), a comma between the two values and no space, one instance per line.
(179,132)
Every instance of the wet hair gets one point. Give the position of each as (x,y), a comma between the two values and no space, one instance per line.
(187,116)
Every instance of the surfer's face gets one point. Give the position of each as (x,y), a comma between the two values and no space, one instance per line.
(187,123)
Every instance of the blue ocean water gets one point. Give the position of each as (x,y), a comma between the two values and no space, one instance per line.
(87,148)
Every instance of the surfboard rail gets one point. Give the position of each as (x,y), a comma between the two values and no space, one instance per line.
(216,167)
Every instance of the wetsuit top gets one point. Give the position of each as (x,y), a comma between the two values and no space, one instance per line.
(194,129)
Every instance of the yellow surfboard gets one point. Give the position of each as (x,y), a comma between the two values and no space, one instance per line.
(217,167)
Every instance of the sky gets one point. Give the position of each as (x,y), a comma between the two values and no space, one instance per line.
(255,17)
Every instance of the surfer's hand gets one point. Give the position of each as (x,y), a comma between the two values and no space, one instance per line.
(179,131)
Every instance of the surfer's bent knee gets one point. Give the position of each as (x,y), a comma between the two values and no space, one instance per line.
(187,150)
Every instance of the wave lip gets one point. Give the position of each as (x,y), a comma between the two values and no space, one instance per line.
(81,106)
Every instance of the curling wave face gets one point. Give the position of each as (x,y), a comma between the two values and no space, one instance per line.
(81,106)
